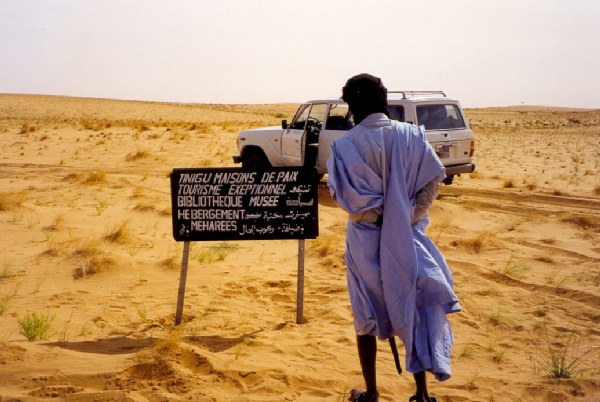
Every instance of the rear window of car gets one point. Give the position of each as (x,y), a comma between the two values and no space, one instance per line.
(440,117)
(396,112)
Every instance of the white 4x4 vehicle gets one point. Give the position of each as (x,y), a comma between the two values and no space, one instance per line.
(306,141)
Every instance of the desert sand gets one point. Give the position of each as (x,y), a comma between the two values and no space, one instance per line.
(87,246)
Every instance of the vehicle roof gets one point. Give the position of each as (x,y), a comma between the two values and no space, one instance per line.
(394,99)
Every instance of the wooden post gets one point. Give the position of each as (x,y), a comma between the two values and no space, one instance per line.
(300,292)
(182,280)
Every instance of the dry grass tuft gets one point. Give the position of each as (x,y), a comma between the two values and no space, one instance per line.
(93,266)
(141,154)
(96,177)
(509,183)
(88,248)
(325,245)
(74,177)
(475,245)
(145,207)
(583,221)
(12,200)
(138,192)
(57,224)
(121,234)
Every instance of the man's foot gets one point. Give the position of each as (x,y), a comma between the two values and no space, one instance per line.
(357,395)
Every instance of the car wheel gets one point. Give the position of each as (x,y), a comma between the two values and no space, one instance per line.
(448,180)
(255,160)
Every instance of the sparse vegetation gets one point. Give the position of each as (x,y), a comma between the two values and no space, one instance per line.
(5,299)
(475,245)
(11,200)
(582,221)
(93,266)
(76,189)
(560,354)
(515,268)
(140,154)
(95,178)
(214,253)
(119,234)
(101,206)
(36,326)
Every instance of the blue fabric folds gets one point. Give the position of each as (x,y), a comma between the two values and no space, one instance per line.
(398,281)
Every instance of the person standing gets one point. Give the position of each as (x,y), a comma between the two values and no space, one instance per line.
(385,175)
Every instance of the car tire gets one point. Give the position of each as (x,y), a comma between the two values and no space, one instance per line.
(255,160)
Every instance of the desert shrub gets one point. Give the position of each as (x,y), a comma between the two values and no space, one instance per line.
(323,246)
(508,183)
(582,221)
(476,244)
(5,299)
(93,266)
(119,234)
(11,200)
(95,177)
(141,154)
(36,326)
(560,354)
(214,253)
(26,128)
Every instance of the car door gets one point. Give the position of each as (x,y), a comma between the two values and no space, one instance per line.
(339,120)
(294,139)
(291,139)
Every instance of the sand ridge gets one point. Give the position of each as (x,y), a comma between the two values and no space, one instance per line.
(86,240)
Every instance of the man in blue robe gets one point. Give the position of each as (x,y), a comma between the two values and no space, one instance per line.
(385,175)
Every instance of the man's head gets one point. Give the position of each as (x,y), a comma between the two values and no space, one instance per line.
(365,94)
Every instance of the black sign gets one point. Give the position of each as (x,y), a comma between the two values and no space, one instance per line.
(237,204)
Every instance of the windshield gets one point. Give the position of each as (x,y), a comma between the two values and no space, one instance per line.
(440,117)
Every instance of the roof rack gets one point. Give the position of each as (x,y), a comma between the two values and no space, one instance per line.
(406,94)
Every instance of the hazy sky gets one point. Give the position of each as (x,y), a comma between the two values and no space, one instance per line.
(484,52)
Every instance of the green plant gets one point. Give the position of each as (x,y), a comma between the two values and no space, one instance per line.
(101,206)
(468,350)
(496,318)
(142,313)
(36,326)
(515,268)
(5,300)
(214,253)
(6,270)
(560,354)
(497,355)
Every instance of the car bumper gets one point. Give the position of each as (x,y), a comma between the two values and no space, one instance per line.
(458,169)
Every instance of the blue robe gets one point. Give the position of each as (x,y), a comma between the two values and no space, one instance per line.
(398,281)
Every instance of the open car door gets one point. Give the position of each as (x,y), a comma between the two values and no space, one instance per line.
(302,132)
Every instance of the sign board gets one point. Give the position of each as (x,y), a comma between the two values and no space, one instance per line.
(237,204)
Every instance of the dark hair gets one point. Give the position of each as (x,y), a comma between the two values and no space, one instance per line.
(365,94)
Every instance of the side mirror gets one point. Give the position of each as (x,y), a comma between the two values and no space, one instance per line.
(284,124)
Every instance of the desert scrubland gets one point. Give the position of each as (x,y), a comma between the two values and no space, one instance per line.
(89,269)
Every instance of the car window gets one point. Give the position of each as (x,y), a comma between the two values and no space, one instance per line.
(339,118)
(317,114)
(396,112)
(300,118)
(440,117)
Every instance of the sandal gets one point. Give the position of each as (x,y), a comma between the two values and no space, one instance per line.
(357,395)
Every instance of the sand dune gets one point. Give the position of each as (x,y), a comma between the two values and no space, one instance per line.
(87,244)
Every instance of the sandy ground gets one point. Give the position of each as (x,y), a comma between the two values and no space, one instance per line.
(87,246)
